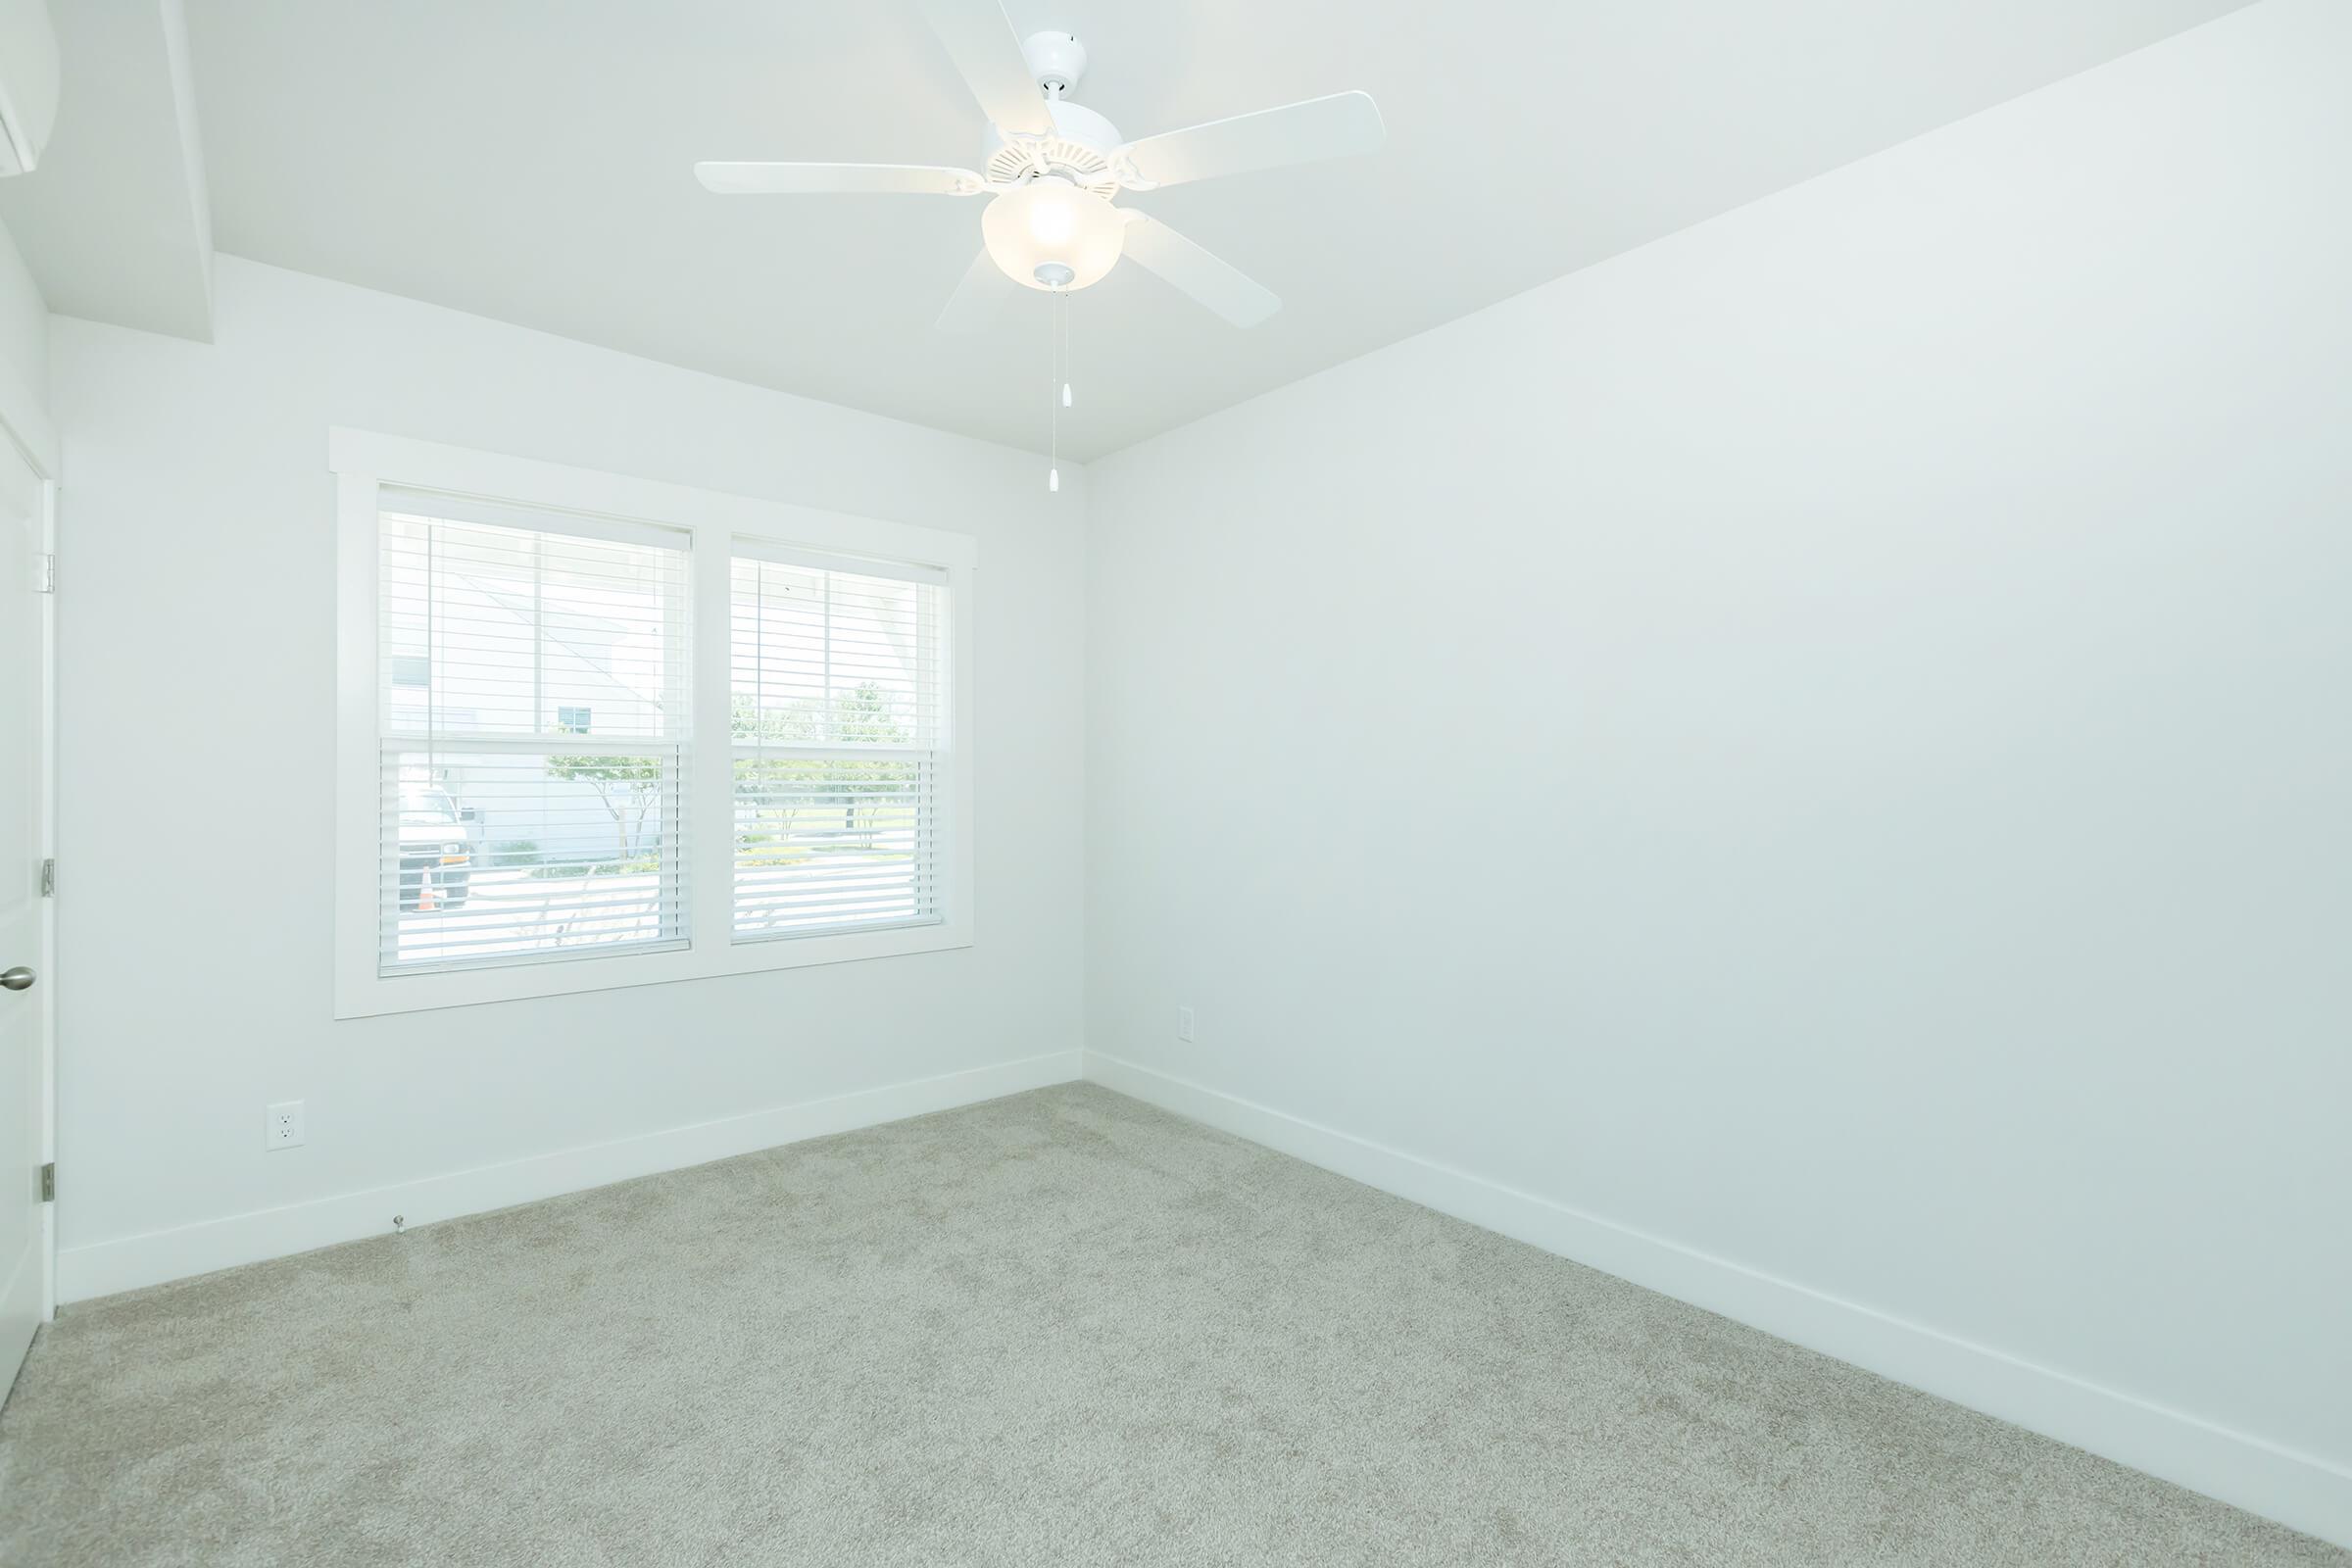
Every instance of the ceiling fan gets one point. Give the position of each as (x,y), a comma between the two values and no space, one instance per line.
(1051,168)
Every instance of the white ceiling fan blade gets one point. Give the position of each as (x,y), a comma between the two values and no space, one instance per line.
(837,179)
(980,40)
(978,298)
(1337,127)
(1156,247)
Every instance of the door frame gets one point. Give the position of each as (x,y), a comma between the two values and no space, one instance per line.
(27,429)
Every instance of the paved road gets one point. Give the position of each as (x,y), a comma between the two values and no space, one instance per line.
(509,911)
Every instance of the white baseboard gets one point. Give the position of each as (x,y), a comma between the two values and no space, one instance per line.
(102,1268)
(2298,1490)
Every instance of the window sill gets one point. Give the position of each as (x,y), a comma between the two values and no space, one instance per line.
(367,994)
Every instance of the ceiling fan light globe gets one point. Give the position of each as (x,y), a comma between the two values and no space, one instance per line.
(1050,228)
(1052,224)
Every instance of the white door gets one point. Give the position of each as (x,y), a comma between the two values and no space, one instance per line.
(24,1248)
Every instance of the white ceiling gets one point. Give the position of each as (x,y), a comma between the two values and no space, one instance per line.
(112,223)
(530,160)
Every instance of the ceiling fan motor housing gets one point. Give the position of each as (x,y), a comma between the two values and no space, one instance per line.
(1079,151)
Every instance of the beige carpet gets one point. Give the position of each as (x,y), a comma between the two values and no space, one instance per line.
(1061,1328)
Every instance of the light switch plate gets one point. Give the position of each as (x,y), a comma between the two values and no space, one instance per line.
(1183,1023)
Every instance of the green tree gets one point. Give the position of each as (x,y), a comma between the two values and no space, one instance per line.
(777,789)
(863,715)
(628,787)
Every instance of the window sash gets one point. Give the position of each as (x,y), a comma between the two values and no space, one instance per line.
(518,619)
(511,625)
(835,705)
(827,842)
(832,657)
(510,902)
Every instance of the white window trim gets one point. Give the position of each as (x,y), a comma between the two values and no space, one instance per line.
(363,460)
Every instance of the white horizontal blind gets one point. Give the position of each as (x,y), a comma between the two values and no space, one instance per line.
(836,679)
(533,678)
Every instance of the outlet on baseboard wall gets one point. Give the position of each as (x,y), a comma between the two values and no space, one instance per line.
(282,1125)
(1183,1023)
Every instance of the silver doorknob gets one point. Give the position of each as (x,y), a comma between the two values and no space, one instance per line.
(17,979)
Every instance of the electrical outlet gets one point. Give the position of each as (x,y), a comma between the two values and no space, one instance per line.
(1183,1023)
(282,1125)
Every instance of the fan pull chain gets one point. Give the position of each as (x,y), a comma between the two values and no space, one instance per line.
(1065,349)
(1052,409)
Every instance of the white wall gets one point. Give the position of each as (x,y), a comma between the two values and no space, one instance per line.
(23,354)
(197,698)
(23,319)
(1822,742)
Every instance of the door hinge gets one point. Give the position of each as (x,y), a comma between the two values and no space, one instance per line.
(46,580)
(49,1182)
(48,879)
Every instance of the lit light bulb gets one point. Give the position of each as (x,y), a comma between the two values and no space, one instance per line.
(1051,223)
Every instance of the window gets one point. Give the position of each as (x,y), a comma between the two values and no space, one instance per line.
(504,835)
(834,681)
(537,795)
